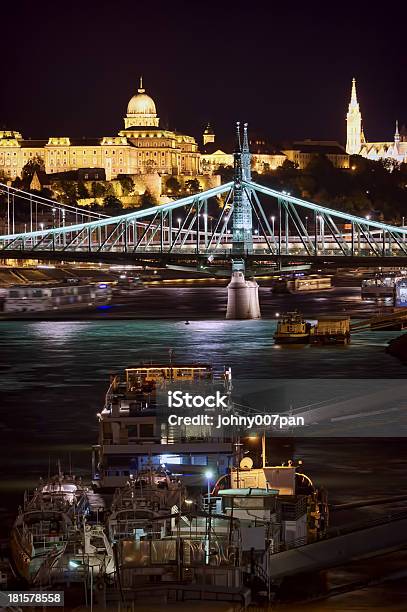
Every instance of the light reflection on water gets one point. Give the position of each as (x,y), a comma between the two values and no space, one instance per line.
(54,376)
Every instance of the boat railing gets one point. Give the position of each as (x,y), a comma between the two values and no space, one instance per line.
(289,544)
(167,439)
(345,530)
(168,551)
(148,500)
(128,530)
(112,389)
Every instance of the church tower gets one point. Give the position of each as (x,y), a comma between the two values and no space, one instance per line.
(353,124)
(397,134)
(208,135)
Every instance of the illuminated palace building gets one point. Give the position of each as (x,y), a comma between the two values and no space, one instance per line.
(142,147)
(356,143)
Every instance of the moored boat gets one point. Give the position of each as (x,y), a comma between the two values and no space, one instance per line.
(44,523)
(292,328)
(134,430)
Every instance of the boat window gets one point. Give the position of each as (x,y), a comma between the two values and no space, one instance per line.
(146,430)
(199,460)
(97,542)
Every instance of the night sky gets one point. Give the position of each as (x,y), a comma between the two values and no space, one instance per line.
(70,68)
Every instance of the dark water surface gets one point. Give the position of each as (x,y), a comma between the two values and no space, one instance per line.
(53,377)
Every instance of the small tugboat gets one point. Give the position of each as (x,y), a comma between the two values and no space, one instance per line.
(292,328)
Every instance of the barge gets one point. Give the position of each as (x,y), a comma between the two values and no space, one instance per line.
(292,328)
(302,284)
(51,298)
(331,330)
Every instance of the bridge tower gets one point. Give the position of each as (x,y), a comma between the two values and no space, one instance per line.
(243,295)
(242,225)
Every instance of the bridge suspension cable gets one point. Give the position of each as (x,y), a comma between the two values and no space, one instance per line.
(282,225)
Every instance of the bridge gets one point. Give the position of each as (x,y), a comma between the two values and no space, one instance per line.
(240,223)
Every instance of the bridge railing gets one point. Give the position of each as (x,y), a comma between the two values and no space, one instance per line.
(297,228)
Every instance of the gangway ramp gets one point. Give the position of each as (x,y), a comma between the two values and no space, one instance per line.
(382,321)
(344,545)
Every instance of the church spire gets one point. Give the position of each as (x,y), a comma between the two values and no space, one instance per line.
(354,132)
(140,89)
(397,133)
(353,97)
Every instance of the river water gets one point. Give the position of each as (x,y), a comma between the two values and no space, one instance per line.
(54,375)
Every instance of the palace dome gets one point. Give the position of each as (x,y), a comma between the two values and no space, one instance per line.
(141,103)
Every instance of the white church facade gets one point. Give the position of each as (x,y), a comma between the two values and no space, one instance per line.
(356,143)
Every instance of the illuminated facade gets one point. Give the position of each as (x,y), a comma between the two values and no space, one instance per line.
(302,152)
(356,143)
(263,159)
(142,147)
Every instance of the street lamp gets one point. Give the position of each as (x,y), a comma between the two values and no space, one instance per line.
(208,476)
(306,224)
(272,221)
(179,222)
(368,217)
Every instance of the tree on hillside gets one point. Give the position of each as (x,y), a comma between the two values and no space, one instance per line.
(95,207)
(147,200)
(225,172)
(173,185)
(192,185)
(111,202)
(127,184)
(69,194)
(83,193)
(98,190)
(35,164)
